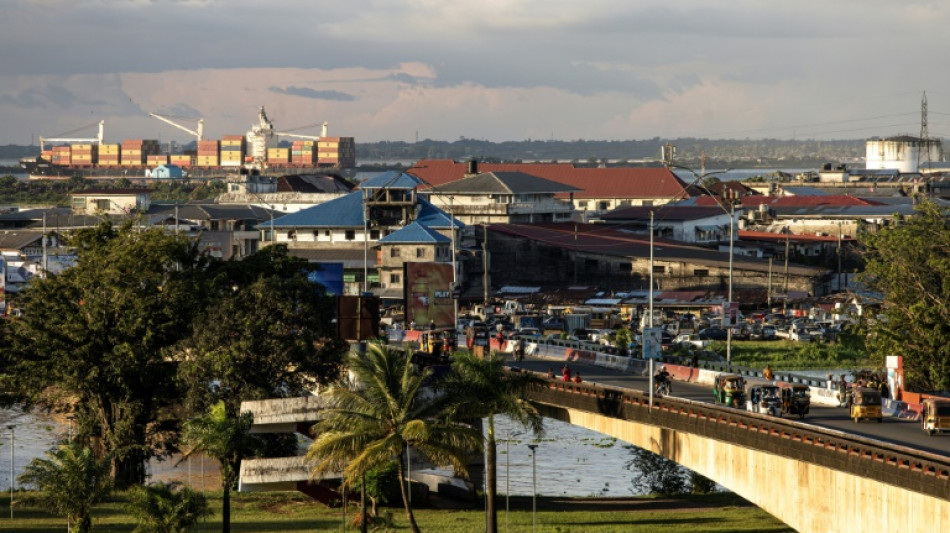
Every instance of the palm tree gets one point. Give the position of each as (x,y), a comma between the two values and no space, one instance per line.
(483,388)
(226,439)
(71,480)
(379,415)
(166,508)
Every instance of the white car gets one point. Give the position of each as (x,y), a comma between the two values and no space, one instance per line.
(691,340)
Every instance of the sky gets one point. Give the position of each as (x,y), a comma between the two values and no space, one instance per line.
(496,70)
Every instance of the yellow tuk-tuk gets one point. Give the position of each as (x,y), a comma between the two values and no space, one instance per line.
(866,404)
(729,390)
(796,399)
(935,415)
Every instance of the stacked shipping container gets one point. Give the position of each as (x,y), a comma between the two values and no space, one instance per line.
(85,155)
(233,148)
(135,151)
(109,155)
(303,153)
(207,154)
(278,156)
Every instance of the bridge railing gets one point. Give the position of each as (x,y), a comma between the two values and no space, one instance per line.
(885,462)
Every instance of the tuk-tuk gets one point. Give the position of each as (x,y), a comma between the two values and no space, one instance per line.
(763,397)
(935,415)
(729,390)
(866,404)
(796,399)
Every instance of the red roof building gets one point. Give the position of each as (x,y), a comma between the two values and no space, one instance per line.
(600,189)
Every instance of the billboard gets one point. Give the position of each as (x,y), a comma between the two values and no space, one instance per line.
(330,275)
(428,294)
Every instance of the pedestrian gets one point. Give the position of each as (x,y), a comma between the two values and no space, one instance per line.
(577,377)
(550,373)
(767,373)
(566,373)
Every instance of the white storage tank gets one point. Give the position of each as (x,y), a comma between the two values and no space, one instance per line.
(902,153)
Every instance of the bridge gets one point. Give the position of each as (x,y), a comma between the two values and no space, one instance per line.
(812,478)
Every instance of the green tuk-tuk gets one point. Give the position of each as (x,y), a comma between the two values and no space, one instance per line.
(729,390)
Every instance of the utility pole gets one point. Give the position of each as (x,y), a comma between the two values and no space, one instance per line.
(785,304)
(485,264)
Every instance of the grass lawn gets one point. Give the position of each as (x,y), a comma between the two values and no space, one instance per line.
(295,513)
(786,354)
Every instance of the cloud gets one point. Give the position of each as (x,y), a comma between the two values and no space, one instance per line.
(306,92)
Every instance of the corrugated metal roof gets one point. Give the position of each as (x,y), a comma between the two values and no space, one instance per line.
(503,182)
(617,182)
(392,179)
(343,212)
(16,240)
(671,212)
(606,240)
(415,233)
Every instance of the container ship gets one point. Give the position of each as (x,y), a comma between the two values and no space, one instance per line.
(258,149)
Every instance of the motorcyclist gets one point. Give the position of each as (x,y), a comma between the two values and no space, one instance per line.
(662,377)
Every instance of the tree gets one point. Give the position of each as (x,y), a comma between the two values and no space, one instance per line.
(269,335)
(909,263)
(166,508)
(655,474)
(71,480)
(484,388)
(92,339)
(381,414)
(226,439)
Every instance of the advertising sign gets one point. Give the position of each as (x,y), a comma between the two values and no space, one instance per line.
(652,343)
(428,294)
(330,275)
(730,314)
(895,376)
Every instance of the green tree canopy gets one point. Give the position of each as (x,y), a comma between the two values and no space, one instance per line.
(93,337)
(909,263)
(166,508)
(381,414)
(484,388)
(71,480)
(228,440)
(270,335)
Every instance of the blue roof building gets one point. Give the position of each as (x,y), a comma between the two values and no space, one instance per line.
(385,222)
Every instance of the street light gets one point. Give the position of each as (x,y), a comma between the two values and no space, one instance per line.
(732,225)
(12,479)
(534,488)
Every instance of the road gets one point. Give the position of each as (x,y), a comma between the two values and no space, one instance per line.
(896,431)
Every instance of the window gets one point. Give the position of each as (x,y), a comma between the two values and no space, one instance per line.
(350,235)
(603,206)
(394,252)
(701,272)
(657,269)
(102,205)
(292,235)
(582,204)
(394,278)
(374,234)
(326,233)
(420,253)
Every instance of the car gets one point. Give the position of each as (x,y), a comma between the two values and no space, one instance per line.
(715,334)
(554,323)
(603,336)
(690,340)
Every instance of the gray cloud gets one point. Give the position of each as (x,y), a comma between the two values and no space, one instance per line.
(306,92)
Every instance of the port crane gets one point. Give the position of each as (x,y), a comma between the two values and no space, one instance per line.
(168,120)
(64,139)
(323,132)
